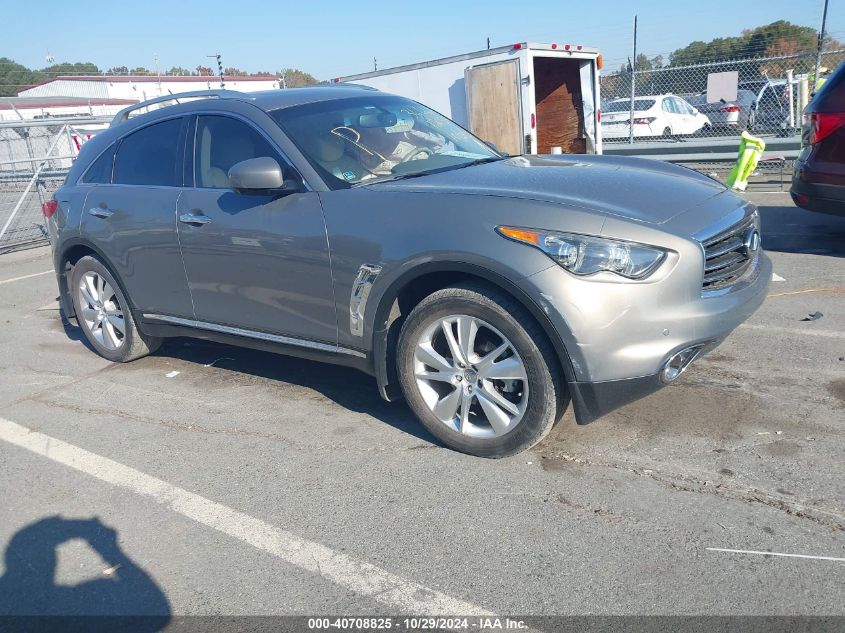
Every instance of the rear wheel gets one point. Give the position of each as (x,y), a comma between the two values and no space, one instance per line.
(478,371)
(103,313)
(667,133)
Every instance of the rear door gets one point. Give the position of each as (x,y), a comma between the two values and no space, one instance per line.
(131,216)
(687,116)
(493,104)
(258,263)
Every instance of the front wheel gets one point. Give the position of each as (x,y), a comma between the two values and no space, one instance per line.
(478,371)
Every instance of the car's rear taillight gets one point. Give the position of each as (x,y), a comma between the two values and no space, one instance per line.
(49,208)
(731,108)
(823,124)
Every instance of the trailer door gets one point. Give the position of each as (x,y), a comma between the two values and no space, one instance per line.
(493,104)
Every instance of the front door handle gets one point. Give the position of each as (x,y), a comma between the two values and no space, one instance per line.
(101,212)
(191,218)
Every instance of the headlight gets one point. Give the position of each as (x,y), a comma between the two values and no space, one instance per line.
(587,255)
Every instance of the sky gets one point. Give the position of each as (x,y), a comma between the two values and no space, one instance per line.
(330,38)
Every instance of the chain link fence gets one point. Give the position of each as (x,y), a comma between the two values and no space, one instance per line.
(671,102)
(674,120)
(35,157)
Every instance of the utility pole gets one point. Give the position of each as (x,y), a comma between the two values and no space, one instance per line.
(488,43)
(819,52)
(633,87)
(158,73)
(375,65)
(219,68)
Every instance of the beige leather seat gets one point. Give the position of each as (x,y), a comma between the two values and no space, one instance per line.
(218,153)
(329,150)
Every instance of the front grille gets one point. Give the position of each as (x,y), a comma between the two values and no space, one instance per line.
(727,256)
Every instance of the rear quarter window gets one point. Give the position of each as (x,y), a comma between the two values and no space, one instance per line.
(99,171)
(150,156)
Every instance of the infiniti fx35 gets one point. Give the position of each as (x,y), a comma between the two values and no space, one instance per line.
(355,227)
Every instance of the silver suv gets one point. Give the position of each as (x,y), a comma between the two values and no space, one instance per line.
(360,228)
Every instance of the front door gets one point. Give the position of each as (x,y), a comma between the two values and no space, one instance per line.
(254,262)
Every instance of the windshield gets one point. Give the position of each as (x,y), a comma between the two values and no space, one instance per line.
(378,137)
(625,105)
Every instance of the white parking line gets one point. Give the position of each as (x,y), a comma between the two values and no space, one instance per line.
(774,329)
(751,551)
(358,576)
(8,281)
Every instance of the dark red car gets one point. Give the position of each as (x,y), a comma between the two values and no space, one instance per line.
(818,183)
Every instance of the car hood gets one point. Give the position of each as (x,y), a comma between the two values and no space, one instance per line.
(638,189)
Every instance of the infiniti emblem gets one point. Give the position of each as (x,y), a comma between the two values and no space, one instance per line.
(752,241)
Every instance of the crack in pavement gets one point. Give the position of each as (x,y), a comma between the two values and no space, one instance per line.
(830,518)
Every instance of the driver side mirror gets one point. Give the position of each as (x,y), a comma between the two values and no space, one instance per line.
(261,175)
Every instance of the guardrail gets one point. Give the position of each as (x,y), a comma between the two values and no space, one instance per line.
(716,156)
(707,146)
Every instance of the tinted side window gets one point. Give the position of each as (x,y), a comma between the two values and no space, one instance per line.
(149,156)
(100,171)
(221,142)
(769,99)
(668,106)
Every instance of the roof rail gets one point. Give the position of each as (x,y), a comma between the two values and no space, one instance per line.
(123,115)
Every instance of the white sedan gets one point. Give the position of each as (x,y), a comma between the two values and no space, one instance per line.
(655,116)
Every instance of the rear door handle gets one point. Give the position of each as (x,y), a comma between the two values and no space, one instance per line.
(191,218)
(101,212)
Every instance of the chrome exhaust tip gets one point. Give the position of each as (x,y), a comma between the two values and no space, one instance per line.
(676,365)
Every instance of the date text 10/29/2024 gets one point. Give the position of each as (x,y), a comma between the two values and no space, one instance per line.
(422,623)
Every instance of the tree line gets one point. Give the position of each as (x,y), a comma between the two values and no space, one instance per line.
(686,69)
(15,77)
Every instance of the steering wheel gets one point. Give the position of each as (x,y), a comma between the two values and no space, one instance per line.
(416,152)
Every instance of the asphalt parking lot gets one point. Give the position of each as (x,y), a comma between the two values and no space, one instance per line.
(208,479)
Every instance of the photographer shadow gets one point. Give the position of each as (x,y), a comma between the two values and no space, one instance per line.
(123,598)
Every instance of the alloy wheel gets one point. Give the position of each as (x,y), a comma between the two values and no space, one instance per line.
(101,311)
(471,376)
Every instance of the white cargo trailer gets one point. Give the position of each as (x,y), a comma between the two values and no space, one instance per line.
(525,98)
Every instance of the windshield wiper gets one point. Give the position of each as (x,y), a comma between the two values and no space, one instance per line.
(376,181)
(481,161)
(417,174)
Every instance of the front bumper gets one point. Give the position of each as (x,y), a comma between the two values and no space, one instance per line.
(619,336)
(592,400)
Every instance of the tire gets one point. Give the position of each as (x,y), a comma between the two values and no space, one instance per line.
(667,134)
(101,307)
(528,385)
